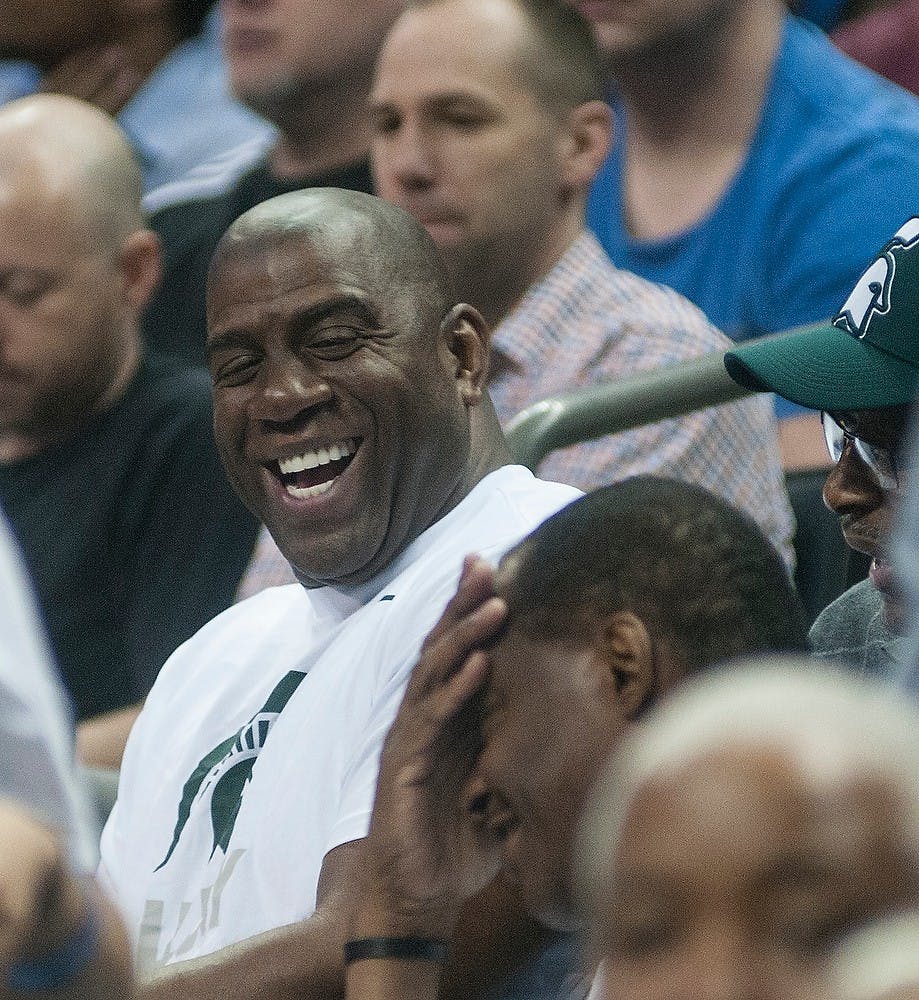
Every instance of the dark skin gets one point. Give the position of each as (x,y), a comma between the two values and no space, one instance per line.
(458,798)
(317,331)
(865,509)
(100,51)
(309,345)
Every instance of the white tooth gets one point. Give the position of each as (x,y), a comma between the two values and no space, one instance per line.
(310,459)
(310,491)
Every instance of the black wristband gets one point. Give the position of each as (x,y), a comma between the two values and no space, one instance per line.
(421,949)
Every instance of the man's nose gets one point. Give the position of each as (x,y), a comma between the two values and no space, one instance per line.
(288,390)
(404,159)
(851,486)
(721,965)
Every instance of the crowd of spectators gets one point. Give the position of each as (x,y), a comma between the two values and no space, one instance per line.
(389,714)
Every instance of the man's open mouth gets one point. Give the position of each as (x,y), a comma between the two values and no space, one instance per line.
(314,472)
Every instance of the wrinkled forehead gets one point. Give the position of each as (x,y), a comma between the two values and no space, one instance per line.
(270,268)
(761,801)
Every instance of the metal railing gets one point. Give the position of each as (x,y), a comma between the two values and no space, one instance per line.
(597,410)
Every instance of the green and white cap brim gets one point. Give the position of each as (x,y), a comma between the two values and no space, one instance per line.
(868,357)
(824,368)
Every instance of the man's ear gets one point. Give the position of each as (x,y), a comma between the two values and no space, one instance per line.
(141,268)
(623,645)
(466,336)
(588,139)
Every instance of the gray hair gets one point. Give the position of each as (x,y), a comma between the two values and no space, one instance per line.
(837,725)
(878,960)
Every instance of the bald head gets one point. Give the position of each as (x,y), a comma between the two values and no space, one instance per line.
(778,802)
(351,227)
(77,267)
(69,153)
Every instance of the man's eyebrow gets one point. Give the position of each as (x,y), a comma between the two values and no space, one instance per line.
(354,305)
(795,869)
(229,338)
(440,101)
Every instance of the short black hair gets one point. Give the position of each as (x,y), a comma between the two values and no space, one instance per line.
(190,14)
(564,64)
(699,573)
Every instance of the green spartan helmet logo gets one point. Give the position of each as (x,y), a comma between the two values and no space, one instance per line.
(226,770)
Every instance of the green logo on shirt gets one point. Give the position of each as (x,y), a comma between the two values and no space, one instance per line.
(226,770)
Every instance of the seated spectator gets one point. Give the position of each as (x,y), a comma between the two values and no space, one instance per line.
(862,372)
(108,469)
(156,66)
(752,821)
(754,168)
(350,414)
(58,933)
(879,962)
(524,688)
(887,41)
(306,67)
(489,127)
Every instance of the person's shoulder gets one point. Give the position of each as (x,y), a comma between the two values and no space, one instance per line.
(842,625)
(236,640)
(831,94)
(516,501)
(208,185)
(654,320)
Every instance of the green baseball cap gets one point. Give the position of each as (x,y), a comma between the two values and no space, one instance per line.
(868,357)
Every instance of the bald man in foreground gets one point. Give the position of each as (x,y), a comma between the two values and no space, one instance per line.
(755,819)
(351,417)
(108,469)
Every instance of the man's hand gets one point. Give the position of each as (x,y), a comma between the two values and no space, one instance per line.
(425,858)
(101,75)
(41,903)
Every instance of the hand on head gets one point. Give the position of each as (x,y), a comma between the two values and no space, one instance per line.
(426,856)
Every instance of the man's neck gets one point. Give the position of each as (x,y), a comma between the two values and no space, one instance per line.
(327,130)
(706,85)
(496,290)
(693,107)
(20,443)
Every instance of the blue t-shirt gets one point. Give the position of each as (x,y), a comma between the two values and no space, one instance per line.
(831,174)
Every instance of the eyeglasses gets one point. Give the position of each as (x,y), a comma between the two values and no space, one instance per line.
(881,461)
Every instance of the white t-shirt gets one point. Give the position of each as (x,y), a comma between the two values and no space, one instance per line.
(257,750)
(36,726)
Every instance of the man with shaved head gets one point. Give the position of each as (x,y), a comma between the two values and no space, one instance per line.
(350,415)
(748,825)
(108,469)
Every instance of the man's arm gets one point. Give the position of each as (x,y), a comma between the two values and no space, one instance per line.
(102,738)
(424,857)
(302,961)
(55,926)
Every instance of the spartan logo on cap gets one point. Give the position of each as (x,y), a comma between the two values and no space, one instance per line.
(874,293)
